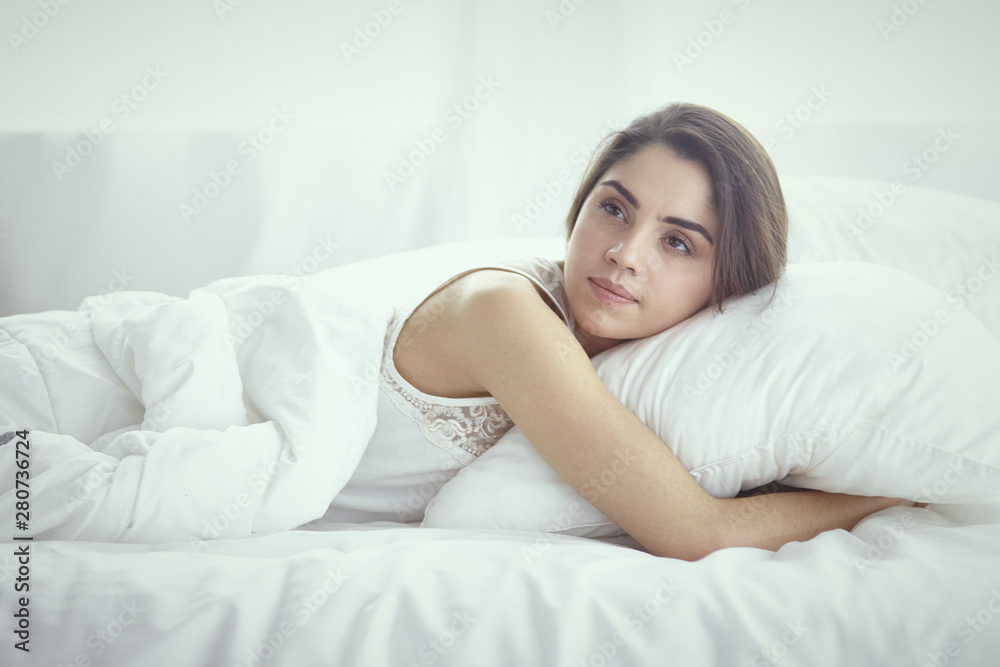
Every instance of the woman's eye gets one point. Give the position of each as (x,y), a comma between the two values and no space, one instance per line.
(678,243)
(612,208)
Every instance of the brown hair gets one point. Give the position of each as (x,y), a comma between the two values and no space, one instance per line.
(746,194)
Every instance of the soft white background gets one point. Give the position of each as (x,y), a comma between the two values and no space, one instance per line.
(560,86)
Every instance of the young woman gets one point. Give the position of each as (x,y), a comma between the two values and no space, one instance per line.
(677,212)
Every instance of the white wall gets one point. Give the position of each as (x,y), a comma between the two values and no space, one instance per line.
(557,84)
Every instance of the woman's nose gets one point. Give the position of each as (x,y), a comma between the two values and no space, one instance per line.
(629,251)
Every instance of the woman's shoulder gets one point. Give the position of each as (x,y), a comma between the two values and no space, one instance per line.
(546,275)
(431,348)
(546,271)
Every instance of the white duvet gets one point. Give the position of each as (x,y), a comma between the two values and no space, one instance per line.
(241,409)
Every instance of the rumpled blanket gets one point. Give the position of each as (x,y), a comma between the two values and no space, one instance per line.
(244,408)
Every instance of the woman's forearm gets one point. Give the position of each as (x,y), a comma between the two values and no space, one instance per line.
(770,520)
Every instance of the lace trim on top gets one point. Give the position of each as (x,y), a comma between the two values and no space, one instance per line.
(466,431)
(464,427)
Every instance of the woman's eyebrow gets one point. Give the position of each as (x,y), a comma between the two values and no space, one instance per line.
(680,222)
(623,192)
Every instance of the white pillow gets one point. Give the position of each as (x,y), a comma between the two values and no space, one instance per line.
(948,240)
(856,378)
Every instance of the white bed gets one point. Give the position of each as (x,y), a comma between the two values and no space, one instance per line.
(835,91)
(907,586)
(398,595)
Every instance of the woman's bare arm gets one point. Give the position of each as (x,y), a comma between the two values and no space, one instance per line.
(796,516)
(518,350)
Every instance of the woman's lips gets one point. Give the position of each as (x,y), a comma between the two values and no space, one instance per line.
(609,292)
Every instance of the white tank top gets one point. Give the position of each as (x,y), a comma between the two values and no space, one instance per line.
(422,441)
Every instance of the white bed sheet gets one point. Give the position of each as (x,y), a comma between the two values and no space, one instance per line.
(907,587)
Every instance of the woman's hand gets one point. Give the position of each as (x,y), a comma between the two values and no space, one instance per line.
(910,503)
(772,519)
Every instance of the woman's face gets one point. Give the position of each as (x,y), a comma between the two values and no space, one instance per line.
(647,230)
